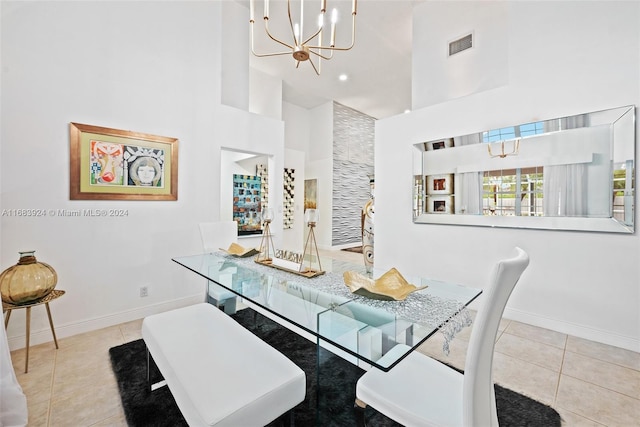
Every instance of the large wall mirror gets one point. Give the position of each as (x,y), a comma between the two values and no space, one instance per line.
(569,173)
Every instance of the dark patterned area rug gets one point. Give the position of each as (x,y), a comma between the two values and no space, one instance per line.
(336,387)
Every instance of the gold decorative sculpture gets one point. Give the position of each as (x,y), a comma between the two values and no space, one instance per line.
(390,286)
(239,251)
(366,224)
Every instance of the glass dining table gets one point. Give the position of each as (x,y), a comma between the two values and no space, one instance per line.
(322,308)
(343,325)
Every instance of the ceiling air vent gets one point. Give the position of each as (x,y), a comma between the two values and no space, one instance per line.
(461,44)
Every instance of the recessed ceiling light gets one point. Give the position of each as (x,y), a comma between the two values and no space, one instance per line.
(343,77)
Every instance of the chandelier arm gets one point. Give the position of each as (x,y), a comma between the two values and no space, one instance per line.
(353,39)
(314,67)
(260,55)
(266,28)
(313,36)
(318,54)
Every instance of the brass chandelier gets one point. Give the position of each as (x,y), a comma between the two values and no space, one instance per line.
(302,48)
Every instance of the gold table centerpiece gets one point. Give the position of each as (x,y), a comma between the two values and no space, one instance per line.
(390,286)
(239,251)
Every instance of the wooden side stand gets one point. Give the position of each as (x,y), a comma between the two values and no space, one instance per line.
(8,307)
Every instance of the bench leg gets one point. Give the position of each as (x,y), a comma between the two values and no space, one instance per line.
(148,370)
(287,419)
(152,386)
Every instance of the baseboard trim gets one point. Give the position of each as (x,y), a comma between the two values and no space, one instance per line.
(580,331)
(43,335)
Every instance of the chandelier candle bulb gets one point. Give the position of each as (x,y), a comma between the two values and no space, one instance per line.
(251,11)
(266,9)
(354,7)
(334,18)
(323,6)
(301,20)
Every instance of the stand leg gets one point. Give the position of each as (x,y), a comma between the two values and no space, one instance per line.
(26,361)
(6,319)
(53,331)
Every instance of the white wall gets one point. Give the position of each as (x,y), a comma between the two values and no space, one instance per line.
(320,166)
(265,94)
(564,58)
(235,67)
(152,67)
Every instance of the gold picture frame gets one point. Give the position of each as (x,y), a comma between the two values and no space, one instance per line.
(113,164)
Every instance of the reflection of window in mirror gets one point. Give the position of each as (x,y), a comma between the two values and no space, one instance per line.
(512,132)
(512,192)
(623,179)
(418,198)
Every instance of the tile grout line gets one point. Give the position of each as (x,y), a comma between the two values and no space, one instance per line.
(564,353)
(53,376)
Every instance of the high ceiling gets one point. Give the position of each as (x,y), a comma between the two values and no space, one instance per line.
(378,67)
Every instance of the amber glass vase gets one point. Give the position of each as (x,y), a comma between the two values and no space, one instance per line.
(27,281)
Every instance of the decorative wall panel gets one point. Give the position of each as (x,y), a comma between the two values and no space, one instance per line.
(263,172)
(353,165)
(288,184)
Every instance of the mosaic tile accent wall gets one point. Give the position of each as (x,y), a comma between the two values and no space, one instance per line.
(263,172)
(288,182)
(353,164)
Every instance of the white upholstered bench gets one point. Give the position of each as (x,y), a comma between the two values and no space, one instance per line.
(219,373)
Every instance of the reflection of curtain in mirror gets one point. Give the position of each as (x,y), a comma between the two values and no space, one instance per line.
(468,185)
(565,190)
(469,193)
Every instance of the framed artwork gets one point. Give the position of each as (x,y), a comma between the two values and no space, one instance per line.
(440,184)
(310,193)
(247,204)
(113,164)
(439,145)
(440,204)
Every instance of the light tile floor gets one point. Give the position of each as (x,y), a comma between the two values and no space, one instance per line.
(588,383)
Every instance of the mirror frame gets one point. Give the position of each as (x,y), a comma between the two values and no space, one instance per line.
(622,126)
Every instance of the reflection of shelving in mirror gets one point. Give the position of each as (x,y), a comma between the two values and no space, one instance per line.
(440,196)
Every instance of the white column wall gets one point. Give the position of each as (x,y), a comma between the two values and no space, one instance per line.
(563,58)
(320,165)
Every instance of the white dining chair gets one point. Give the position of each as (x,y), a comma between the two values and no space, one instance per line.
(421,391)
(215,236)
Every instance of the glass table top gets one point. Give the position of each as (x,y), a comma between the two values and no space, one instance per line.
(363,328)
